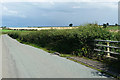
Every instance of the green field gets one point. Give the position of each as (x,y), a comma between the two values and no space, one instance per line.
(6,30)
(112,28)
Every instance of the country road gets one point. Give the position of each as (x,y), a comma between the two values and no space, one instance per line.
(23,61)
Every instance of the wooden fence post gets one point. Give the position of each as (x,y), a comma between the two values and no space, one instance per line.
(108,49)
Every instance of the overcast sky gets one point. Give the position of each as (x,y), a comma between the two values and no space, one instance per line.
(51,13)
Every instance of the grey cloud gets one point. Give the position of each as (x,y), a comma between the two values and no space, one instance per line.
(60,13)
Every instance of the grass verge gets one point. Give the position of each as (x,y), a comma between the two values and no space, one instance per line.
(37,46)
(95,69)
(68,55)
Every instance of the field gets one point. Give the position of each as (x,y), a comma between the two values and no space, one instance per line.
(6,30)
(112,28)
(40,28)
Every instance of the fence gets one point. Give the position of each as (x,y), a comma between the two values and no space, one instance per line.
(108,51)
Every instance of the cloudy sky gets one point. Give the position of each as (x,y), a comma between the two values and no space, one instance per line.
(58,13)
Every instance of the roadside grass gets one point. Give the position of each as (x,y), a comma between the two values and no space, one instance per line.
(102,71)
(0,31)
(69,55)
(35,45)
(45,49)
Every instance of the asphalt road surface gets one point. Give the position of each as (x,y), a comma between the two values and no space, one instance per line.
(23,61)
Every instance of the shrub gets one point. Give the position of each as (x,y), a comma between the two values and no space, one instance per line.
(104,25)
(71,25)
(75,41)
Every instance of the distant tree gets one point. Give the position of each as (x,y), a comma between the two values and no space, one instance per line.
(96,24)
(107,24)
(90,24)
(4,27)
(71,25)
(104,25)
(116,24)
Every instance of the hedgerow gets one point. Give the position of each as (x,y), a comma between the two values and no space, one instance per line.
(75,41)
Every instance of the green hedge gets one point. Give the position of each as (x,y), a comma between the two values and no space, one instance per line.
(75,41)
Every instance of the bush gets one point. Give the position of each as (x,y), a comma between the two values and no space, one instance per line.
(104,25)
(75,41)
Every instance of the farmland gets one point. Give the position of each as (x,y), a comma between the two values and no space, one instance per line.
(40,28)
(112,28)
(6,30)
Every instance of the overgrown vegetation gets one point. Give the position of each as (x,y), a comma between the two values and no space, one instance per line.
(78,41)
